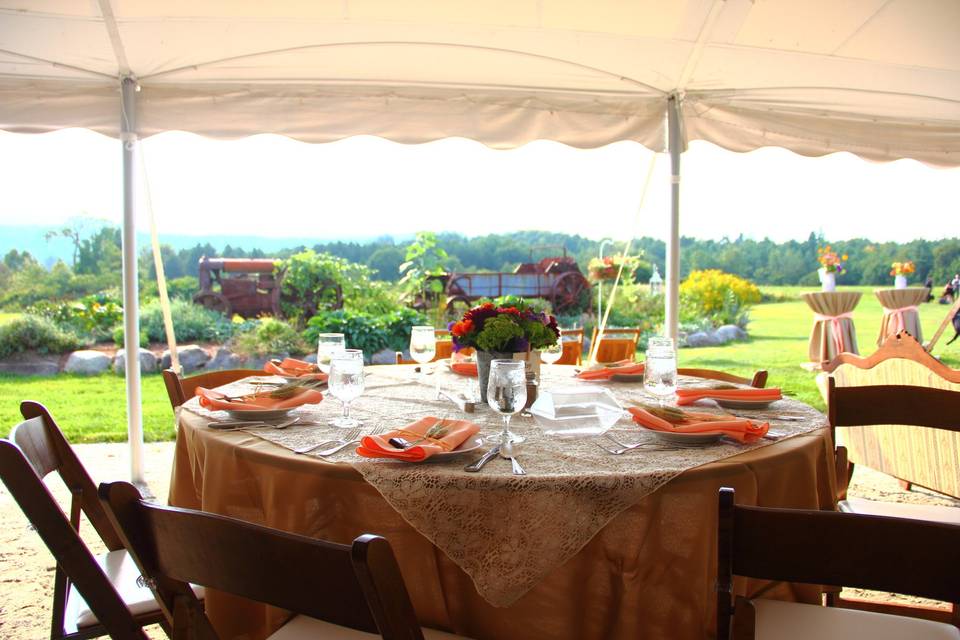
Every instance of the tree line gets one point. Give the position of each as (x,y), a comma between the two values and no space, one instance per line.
(96,259)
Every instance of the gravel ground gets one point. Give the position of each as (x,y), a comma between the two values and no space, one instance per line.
(26,567)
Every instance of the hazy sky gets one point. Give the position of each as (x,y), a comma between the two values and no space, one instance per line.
(269,185)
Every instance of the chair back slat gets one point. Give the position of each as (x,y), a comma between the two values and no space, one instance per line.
(893,404)
(312,577)
(31,436)
(759,379)
(180,389)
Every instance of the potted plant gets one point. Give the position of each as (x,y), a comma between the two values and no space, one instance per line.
(514,333)
(830,265)
(900,271)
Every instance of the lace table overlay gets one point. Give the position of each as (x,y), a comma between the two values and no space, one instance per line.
(505,531)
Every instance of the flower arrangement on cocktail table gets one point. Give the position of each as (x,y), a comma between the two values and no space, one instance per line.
(514,329)
(900,271)
(607,268)
(903,268)
(829,261)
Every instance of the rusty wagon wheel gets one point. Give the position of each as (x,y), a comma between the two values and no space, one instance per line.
(456,307)
(569,292)
(215,302)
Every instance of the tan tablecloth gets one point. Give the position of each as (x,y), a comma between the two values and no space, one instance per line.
(831,333)
(647,572)
(899,311)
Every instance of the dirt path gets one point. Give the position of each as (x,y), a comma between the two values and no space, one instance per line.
(26,566)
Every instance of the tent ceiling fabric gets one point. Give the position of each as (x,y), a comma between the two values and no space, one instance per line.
(879,78)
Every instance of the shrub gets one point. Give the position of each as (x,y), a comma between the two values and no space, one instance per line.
(95,315)
(269,337)
(190,322)
(368,332)
(722,297)
(119,332)
(35,333)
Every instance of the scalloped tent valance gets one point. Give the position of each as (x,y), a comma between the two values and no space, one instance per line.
(878,78)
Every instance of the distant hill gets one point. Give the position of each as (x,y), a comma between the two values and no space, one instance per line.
(47,252)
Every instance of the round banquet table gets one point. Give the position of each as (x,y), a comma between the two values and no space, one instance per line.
(833,331)
(628,561)
(900,311)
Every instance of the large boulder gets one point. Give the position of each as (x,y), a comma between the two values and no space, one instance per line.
(385,356)
(310,357)
(224,358)
(702,339)
(192,357)
(255,362)
(31,364)
(148,361)
(731,332)
(87,362)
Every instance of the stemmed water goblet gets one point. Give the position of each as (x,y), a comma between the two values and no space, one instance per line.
(423,346)
(346,384)
(507,395)
(552,353)
(660,369)
(328,344)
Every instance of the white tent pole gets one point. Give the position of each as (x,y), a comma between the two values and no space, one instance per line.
(672,298)
(131,299)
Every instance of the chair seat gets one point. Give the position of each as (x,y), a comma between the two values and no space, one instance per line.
(776,620)
(307,628)
(935,513)
(123,575)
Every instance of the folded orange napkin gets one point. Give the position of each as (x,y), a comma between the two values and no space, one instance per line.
(293,368)
(464,368)
(689,396)
(624,367)
(741,430)
(213,400)
(450,435)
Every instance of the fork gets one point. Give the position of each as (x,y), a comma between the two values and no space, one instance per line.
(646,445)
(349,435)
(355,439)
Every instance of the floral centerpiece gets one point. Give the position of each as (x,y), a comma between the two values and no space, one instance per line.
(513,332)
(607,268)
(830,265)
(900,271)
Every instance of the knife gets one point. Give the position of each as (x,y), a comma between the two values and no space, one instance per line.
(487,457)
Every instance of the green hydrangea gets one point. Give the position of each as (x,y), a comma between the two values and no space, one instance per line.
(497,333)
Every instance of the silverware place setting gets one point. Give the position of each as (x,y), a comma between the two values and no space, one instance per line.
(352,436)
(243,425)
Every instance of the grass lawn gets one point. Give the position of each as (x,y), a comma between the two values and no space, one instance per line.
(93,409)
(88,408)
(7,317)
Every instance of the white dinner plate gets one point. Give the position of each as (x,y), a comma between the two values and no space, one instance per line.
(744,404)
(470,444)
(259,414)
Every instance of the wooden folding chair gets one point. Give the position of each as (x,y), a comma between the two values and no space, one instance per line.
(180,389)
(92,596)
(572,340)
(913,455)
(614,349)
(759,379)
(331,586)
(831,548)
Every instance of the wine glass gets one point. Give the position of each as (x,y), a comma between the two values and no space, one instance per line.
(507,395)
(552,353)
(346,383)
(660,372)
(423,345)
(327,345)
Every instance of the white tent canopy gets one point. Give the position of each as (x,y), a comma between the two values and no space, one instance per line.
(878,78)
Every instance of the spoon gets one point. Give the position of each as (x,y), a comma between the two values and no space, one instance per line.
(506,451)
